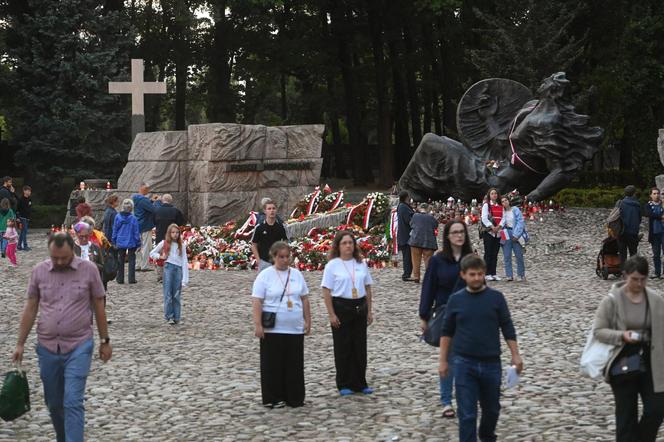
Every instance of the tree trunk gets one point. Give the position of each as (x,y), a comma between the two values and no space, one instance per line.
(220,97)
(402,144)
(333,114)
(340,31)
(383,113)
(411,83)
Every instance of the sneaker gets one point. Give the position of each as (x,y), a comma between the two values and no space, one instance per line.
(345,392)
(509,279)
(489,278)
(171,321)
(367,390)
(280,404)
(175,322)
(497,278)
(521,279)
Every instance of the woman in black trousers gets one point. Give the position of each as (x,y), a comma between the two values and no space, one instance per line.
(347,290)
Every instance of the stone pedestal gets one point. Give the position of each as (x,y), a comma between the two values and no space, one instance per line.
(218,172)
(659,179)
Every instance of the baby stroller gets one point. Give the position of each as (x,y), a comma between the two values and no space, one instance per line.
(608,259)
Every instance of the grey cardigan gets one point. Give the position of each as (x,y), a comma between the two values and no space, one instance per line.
(609,327)
(422,233)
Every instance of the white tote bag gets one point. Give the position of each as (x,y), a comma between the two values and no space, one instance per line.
(595,356)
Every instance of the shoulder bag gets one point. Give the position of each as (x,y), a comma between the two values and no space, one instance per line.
(435,325)
(596,355)
(269,319)
(631,367)
(481,228)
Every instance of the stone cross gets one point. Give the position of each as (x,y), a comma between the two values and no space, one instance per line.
(137,87)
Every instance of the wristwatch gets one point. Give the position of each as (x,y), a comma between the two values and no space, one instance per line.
(106,340)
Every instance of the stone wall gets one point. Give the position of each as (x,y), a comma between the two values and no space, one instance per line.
(218,172)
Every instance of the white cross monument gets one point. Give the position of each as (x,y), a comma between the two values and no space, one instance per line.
(137,88)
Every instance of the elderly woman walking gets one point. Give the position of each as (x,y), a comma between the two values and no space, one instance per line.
(171,253)
(631,318)
(127,239)
(422,239)
(347,291)
(282,316)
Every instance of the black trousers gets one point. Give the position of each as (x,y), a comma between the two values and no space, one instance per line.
(350,343)
(407,261)
(282,369)
(131,271)
(626,395)
(491,250)
(627,243)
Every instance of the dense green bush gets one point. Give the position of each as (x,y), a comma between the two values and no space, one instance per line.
(47,215)
(595,197)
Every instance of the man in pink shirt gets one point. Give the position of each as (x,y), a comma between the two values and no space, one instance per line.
(66,289)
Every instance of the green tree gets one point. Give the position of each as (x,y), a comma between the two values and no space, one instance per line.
(62,55)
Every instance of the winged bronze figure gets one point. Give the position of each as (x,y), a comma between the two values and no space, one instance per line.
(510,141)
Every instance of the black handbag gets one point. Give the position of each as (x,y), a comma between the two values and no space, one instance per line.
(269,319)
(631,366)
(435,327)
(110,269)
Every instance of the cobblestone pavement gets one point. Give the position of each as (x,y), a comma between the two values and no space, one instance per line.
(200,380)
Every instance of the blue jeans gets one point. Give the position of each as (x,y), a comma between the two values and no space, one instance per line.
(445,386)
(64,376)
(23,236)
(172,290)
(477,381)
(657,241)
(508,247)
(3,243)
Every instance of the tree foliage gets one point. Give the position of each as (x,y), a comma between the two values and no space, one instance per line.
(378,73)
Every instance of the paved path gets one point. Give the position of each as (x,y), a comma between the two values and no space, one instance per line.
(200,380)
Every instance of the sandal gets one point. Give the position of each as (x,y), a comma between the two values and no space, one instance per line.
(448,412)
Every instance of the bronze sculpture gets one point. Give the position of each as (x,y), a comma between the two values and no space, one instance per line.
(510,141)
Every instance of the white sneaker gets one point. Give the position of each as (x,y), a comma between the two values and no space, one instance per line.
(490,278)
(497,278)
(521,279)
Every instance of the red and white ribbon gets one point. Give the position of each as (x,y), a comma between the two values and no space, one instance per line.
(367,214)
(247,228)
(313,202)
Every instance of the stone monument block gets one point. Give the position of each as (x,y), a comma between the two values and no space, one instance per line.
(304,141)
(159,146)
(217,172)
(276,144)
(659,179)
(227,142)
(162,176)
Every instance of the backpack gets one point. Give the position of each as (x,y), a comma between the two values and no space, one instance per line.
(614,222)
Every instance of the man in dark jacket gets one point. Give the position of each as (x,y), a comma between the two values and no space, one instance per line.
(630,214)
(144,209)
(7,191)
(404,214)
(165,215)
(655,213)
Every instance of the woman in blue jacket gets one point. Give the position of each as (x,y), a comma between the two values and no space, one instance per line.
(127,239)
(441,279)
(514,228)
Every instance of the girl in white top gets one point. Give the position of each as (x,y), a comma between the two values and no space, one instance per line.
(173,253)
(347,291)
(282,290)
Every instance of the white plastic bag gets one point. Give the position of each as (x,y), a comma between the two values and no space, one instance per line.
(595,356)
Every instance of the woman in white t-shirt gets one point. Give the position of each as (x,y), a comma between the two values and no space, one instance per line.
(282,290)
(347,291)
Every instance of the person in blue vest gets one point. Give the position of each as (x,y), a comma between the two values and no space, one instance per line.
(144,210)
